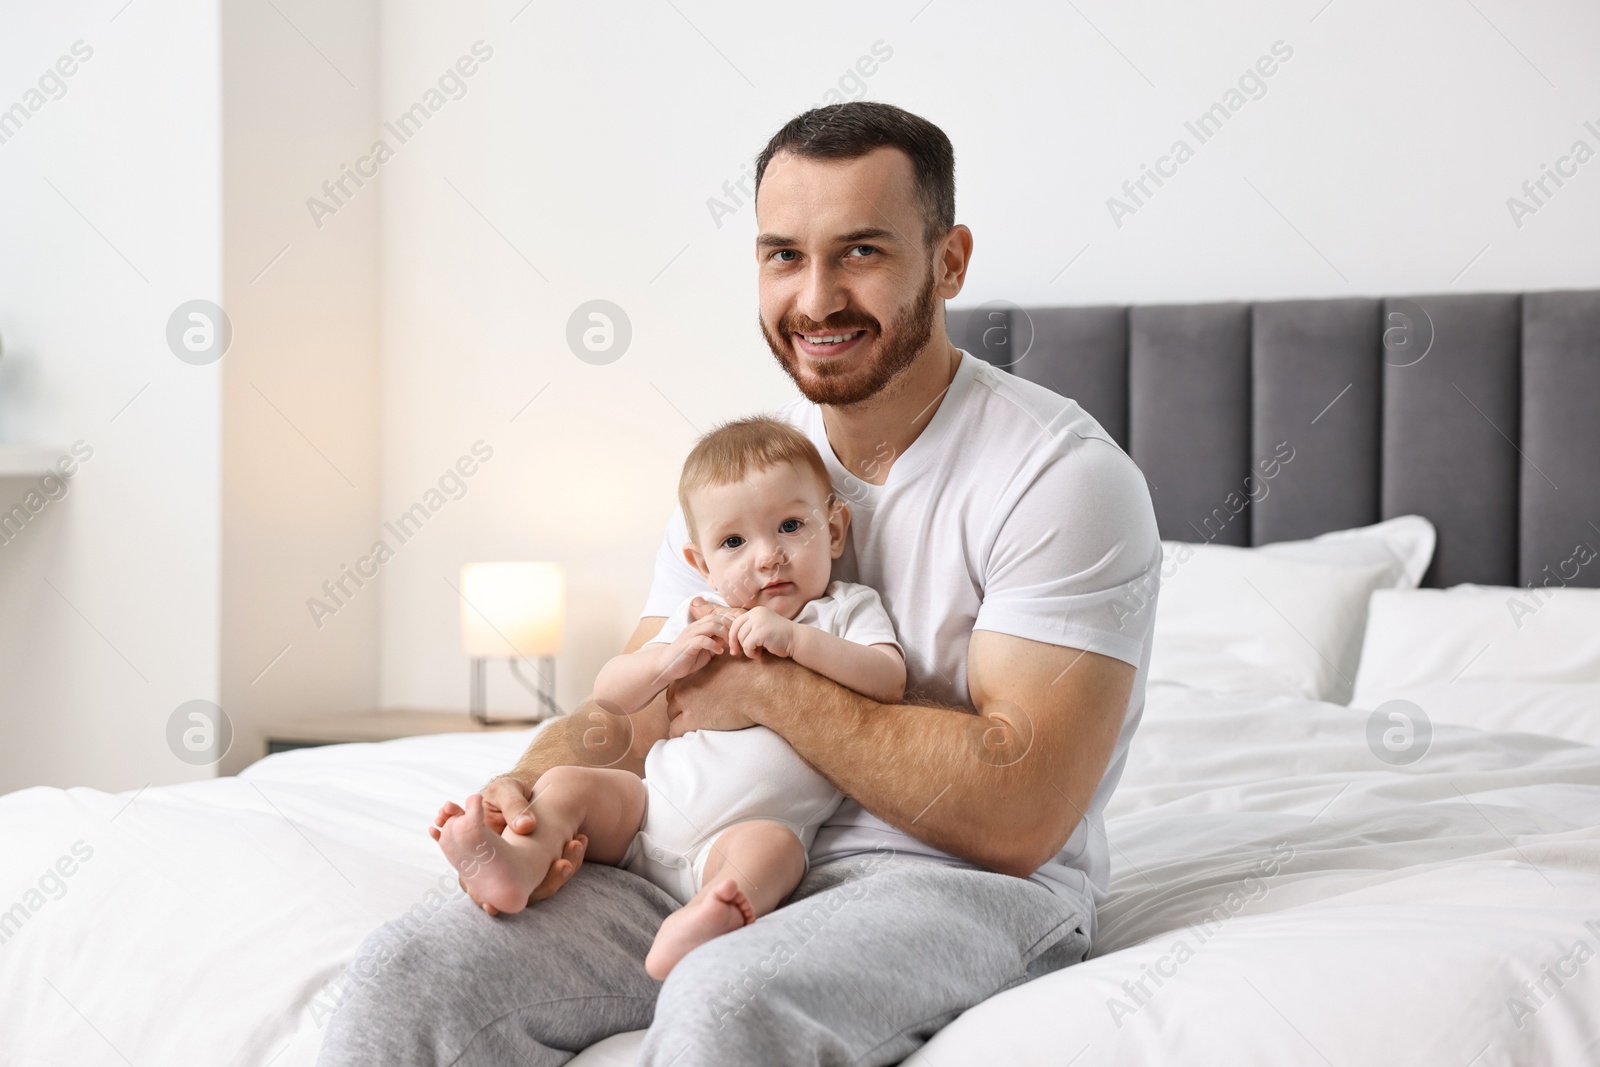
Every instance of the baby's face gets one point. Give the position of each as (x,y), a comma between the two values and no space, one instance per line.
(769,540)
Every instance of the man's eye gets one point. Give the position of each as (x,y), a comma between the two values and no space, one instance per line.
(785,252)
(870,249)
(732,541)
(790,526)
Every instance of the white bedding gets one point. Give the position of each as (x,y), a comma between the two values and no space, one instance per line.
(1378,914)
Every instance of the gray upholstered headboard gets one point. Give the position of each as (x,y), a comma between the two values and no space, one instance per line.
(1479,411)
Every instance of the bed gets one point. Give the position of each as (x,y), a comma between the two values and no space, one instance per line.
(1281,892)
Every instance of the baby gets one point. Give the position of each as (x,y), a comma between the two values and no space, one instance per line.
(723,819)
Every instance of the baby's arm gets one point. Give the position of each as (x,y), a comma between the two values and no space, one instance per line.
(630,681)
(877,672)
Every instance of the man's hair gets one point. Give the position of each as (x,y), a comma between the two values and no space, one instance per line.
(735,450)
(852,129)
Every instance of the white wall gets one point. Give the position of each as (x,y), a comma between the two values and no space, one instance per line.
(108,597)
(1389,142)
(302,388)
(221,498)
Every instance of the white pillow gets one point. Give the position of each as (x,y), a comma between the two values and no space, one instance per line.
(1236,619)
(1284,618)
(1479,632)
(1405,545)
(1568,710)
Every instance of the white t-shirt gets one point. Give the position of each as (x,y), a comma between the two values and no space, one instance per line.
(1012,511)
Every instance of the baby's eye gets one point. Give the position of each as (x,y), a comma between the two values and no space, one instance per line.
(790,526)
(732,541)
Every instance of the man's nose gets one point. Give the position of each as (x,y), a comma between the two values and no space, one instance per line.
(823,293)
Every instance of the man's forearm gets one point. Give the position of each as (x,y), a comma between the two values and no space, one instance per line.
(590,736)
(1004,788)
(548,749)
(956,780)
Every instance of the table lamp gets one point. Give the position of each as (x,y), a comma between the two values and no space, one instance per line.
(512,611)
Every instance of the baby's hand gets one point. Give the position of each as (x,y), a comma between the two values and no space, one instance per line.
(695,646)
(700,607)
(761,628)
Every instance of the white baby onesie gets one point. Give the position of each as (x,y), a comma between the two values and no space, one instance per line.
(700,784)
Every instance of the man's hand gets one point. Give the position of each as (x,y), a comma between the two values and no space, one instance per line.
(761,629)
(560,873)
(700,607)
(714,697)
(508,801)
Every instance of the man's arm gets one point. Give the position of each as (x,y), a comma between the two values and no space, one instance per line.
(1003,788)
(876,671)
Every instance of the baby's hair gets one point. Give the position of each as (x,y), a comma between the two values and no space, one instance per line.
(735,450)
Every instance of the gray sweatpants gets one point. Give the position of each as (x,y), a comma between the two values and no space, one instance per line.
(868,959)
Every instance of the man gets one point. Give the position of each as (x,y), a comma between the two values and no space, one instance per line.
(1015,547)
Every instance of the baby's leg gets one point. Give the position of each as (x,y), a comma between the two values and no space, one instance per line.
(753,866)
(502,870)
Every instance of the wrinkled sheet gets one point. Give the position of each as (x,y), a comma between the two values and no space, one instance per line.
(1279,896)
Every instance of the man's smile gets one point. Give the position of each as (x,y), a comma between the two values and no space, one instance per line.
(826,345)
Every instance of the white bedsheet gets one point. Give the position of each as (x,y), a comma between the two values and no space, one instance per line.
(1378,914)
(1411,904)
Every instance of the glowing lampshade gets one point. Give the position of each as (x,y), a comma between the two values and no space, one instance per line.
(512,609)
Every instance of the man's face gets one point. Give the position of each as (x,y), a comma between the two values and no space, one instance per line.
(847,285)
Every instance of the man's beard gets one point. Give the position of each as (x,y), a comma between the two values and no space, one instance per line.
(850,382)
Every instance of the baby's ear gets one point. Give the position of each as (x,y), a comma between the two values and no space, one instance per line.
(697,560)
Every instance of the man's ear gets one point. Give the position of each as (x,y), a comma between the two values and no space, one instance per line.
(951,259)
(691,552)
(838,528)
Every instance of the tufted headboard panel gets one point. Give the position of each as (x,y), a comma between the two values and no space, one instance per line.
(1260,422)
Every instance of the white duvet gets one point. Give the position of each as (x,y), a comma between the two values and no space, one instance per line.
(1280,896)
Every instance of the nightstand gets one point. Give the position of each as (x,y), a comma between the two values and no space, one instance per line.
(281,735)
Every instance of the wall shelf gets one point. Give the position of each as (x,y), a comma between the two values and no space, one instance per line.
(28,461)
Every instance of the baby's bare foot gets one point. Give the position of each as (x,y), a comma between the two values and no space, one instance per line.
(720,911)
(498,877)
